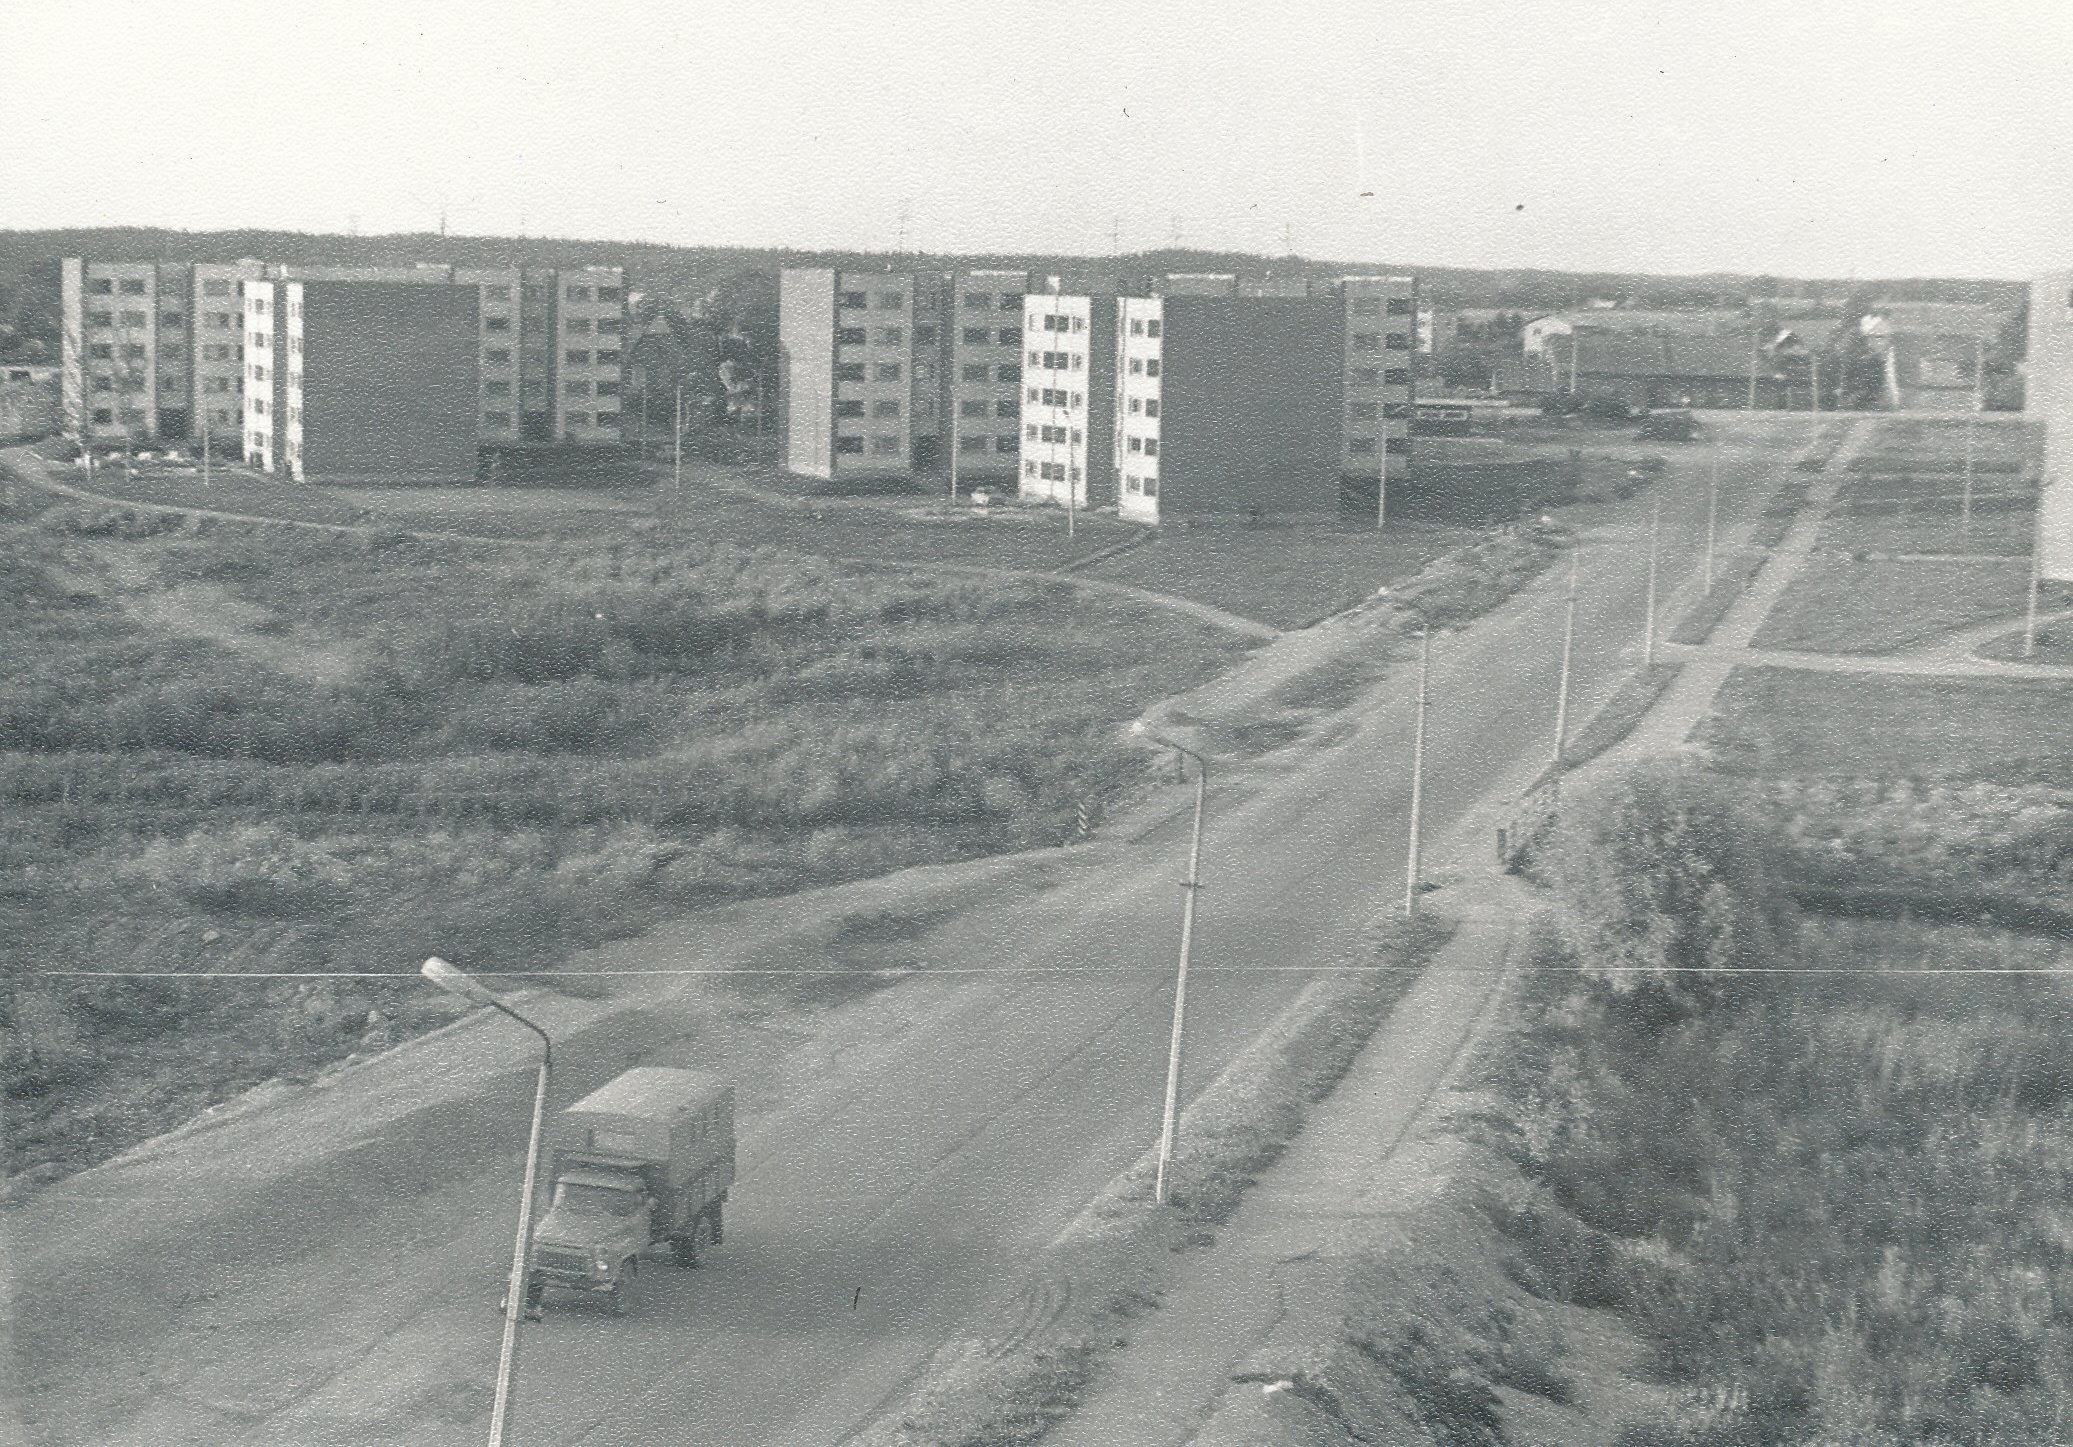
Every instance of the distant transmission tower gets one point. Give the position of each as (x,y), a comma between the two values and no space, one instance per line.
(906,215)
(1176,233)
(1288,238)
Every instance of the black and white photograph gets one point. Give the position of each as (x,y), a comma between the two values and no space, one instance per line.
(775,724)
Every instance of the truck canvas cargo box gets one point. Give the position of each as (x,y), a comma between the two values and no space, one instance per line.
(682,1120)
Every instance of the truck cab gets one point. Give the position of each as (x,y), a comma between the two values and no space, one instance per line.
(645,1161)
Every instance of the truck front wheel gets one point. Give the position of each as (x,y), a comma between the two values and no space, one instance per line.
(621,1300)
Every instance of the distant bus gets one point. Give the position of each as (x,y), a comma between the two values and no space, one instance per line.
(1441,419)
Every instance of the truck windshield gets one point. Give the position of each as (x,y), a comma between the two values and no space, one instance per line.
(596,1200)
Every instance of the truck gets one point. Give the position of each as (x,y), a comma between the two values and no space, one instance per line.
(640,1164)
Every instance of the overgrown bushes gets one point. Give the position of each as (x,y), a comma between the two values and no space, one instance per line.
(1823,1185)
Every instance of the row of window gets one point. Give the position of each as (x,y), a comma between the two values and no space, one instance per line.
(1386,376)
(1144,366)
(108,319)
(1370,306)
(890,301)
(1054,322)
(1365,446)
(1149,446)
(1057,361)
(1365,411)
(1142,326)
(1145,486)
(585,419)
(1056,397)
(1144,406)
(1051,471)
(1036,433)
(1376,341)
(976,301)
(103,286)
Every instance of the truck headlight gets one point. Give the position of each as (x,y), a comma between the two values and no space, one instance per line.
(600,1264)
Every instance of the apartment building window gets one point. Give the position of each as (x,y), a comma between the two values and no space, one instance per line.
(1036,358)
(889,371)
(101,286)
(1361,446)
(579,293)
(1137,326)
(1029,433)
(978,300)
(134,351)
(1007,407)
(1052,397)
(885,444)
(924,336)
(891,301)
(1366,341)
(1029,469)
(1011,301)
(849,409)
(608,389)
(133,319)
(1362,411)
(1009,444)
(259,406)
(608,359)
(496,389)
(259,305)
(971,444)
(1151,366)
(1076,437)
(533,386)
(258,372)
(575,389)
(1396,376)
(1151,487)
(1136,405)
(608,324)
(1397,342)
(498,356)
(496,324)
(1009,372)
(1137,366)
(1366,376)
(579,326)
(972,407)
(924,407)
(103,416)
(1152,326)
(1137,444)
(849,336)
(218,384)
(1078,361)
(924,371)
(1050,361)
(576,358)
(497,293)
(891,336)
(852,300)
(849,371)
(887,408)
(173,319)
(1032,394)
(221,321)
(101,352)
(496,419)
(975,336)
(1395,410)
(215,288)
(1151,406)
(133,286)
(850,446)
(1011,336)
(168,383)
(1397,446)
(1367,306)
(1399,306)
(606,293)
(100,319)
(104,384)
(579,419)
(1151,447)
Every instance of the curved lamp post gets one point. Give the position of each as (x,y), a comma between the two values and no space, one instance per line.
(1170,1123)
(1411,864)
(456,982)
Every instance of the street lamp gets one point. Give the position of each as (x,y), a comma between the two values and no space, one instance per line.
(1568,643)
(1170,1123)
(1411,863)
(455,982)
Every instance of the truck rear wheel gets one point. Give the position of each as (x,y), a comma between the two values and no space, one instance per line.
(715,1214)
(689,1249)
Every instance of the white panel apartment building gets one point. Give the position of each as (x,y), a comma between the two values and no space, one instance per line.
(160,352)
(1069,399)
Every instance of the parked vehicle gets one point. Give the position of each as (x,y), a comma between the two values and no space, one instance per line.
(643,1162)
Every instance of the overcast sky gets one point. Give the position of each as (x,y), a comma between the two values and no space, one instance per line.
(1838,138)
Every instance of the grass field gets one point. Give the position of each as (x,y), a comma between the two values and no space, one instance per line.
(1286,576)
(2000,526)
(1841,605)
(248,747)
(1776,721)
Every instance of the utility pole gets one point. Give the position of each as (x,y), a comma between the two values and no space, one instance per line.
(1979,405)
(1170,1123)
(205,445)
(1752,369)
(956,440)
(1655,533)
(1568,643)
(1418,766)
(2036,568)
(1575,346)
(1712,510)
(677,481)
(1814,390)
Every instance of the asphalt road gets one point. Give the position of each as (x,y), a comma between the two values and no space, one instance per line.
(324,1270)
